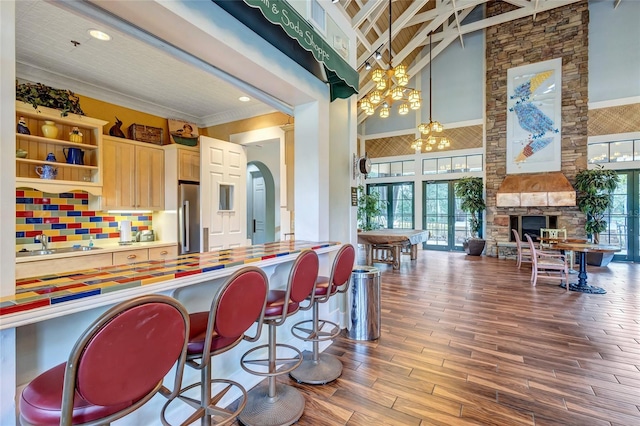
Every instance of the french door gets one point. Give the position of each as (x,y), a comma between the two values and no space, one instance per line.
(447,225)
(623,219)
(397,203)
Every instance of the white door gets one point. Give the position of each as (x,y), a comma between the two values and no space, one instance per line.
(258,209)
(223,194)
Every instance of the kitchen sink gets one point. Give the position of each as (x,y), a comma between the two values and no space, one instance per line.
(55,250)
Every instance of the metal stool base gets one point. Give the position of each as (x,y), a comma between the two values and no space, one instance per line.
(327,369)
(282,410)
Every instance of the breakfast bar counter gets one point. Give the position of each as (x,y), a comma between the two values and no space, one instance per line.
(41,322)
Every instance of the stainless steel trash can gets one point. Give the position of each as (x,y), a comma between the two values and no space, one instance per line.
(364,304)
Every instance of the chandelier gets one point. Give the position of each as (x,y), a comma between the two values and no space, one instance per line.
(433,126)
(391,86)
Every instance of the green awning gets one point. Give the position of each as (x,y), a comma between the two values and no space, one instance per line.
(343,80)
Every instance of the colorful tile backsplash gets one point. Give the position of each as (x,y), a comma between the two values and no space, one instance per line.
(66,217)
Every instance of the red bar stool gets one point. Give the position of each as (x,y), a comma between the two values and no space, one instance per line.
(320,368)
(115,367)
(236,306)
(277,403)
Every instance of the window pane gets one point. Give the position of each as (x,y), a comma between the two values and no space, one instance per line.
(444,165)
(430,166)
(383,170)
(459,164)
(598,153)
(621,151)
(396,168)
(474,163)
(374,171)
(636,150)
(408,168)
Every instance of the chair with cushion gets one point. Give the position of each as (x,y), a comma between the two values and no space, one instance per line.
(276,403)
(320,368)
(523,254)
(237,305)
(115,367)
(553,264)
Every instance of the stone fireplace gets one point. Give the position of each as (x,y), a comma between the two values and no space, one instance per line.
(558,33)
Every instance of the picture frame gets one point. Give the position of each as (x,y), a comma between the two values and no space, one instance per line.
(534,115)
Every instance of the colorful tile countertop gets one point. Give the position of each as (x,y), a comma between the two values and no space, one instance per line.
(46,290)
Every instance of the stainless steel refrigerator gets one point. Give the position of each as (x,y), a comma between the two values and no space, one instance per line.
(189,217)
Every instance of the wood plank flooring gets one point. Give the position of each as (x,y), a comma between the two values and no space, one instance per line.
(468,341)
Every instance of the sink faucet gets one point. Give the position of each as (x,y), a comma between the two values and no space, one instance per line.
(44,240)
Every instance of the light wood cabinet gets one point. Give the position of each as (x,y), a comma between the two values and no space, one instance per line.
(68,177)
(133,175)
(162,253)
(189,165)
(60,265)
(130,256)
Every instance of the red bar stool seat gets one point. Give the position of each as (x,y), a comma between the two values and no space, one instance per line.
(115,367)
(237,305)
(320,368)
(277,403)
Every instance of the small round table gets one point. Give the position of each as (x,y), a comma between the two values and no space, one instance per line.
(582,249)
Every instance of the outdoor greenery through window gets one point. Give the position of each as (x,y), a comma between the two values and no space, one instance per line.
(397,200)
(393,168)
(457,164)
(613,152)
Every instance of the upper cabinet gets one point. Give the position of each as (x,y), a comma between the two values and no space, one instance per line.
(57,154)
(133,175)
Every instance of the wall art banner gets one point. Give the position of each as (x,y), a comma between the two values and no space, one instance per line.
(534,114)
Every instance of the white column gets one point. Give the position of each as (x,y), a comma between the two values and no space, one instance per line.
(7,205)
(312,171)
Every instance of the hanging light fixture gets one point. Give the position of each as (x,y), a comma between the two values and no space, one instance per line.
(433,126)
(390,87)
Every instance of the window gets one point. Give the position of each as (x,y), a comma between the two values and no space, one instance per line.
(398,199)
(614,152)
(318,16)
(394,168)
(458,164)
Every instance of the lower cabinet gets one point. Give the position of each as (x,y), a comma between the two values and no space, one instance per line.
(61,265)
(77,263)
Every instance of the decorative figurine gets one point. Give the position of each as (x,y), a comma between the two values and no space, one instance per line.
(115,129)
(75,135)
(22,127)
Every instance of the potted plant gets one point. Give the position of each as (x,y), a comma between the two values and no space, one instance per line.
(370,208)
(470,191)
(38,94)
(594,188)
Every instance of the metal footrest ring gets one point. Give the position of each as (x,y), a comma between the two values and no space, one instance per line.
(310,336)
(295,361)
(219,415)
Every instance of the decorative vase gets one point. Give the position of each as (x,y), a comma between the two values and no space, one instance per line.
(50,130)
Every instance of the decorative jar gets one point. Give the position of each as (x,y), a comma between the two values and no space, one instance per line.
(50,130)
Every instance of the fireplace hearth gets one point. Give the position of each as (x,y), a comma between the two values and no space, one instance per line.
(531,224)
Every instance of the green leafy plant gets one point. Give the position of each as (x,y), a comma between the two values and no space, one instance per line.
(38,94)
(370,207)
(594,197)
(469,190)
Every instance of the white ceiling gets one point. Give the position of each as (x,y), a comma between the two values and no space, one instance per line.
(124,71)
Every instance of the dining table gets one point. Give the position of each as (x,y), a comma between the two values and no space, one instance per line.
(582,248)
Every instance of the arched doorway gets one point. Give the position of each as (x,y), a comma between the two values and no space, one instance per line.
(260,203)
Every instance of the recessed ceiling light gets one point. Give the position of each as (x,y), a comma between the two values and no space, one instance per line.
(244,99)
(99,35)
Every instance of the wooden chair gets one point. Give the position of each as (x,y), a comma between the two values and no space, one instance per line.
(523,250)
(560,234)
(553,264)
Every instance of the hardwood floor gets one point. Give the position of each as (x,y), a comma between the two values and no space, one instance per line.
(467,340)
